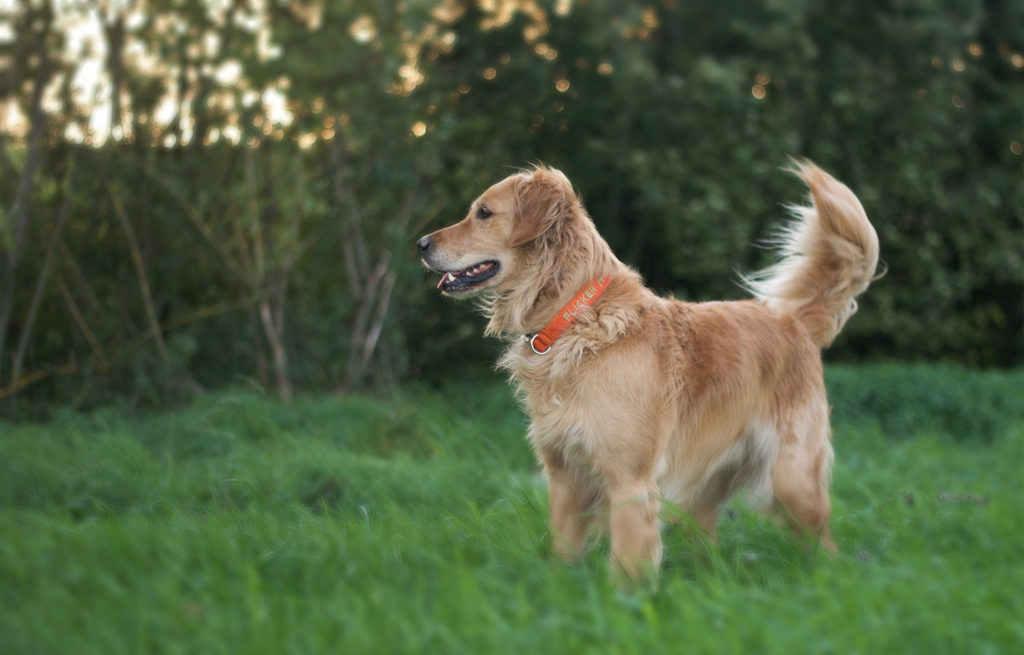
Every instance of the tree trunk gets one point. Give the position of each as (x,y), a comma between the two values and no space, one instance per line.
(279,355)
(270,266)
(114,32)
(37,295)
(18,214)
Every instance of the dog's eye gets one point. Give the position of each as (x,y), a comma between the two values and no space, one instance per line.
(484,212)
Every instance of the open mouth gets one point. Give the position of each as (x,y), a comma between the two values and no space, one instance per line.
(456,281)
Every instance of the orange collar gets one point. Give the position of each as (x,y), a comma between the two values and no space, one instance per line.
(541,342)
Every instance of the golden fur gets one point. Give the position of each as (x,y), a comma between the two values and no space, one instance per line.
(647,399)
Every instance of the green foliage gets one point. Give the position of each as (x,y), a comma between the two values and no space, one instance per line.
(672,118)
(902,400)
(416,523)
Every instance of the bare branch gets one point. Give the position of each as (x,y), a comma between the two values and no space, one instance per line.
(76,314)
(36,376)
(140,273)
(236,270)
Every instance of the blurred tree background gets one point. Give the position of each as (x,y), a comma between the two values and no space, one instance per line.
(199,193)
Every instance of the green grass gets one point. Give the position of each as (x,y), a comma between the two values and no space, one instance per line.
(418,524)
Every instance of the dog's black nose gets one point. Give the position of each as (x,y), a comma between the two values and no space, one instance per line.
(424,245)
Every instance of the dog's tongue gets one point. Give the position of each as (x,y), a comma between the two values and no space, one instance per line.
(447,277)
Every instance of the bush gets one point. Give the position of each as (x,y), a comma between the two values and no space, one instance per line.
(906,400)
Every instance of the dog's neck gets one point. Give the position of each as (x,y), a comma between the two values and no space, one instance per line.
(559,264)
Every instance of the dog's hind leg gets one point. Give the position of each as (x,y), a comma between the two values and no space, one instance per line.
(800,475)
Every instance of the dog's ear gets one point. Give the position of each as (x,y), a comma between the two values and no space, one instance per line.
(541,199)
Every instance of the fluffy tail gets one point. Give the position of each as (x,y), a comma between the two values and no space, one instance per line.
(828,257)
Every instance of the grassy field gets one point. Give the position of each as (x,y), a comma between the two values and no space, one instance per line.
(417,523)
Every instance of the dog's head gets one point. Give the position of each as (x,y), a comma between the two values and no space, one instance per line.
(483,250)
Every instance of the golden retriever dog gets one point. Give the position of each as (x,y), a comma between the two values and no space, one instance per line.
(634,399)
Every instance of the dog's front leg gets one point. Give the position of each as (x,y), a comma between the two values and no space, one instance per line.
(571,508)
(635,533)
